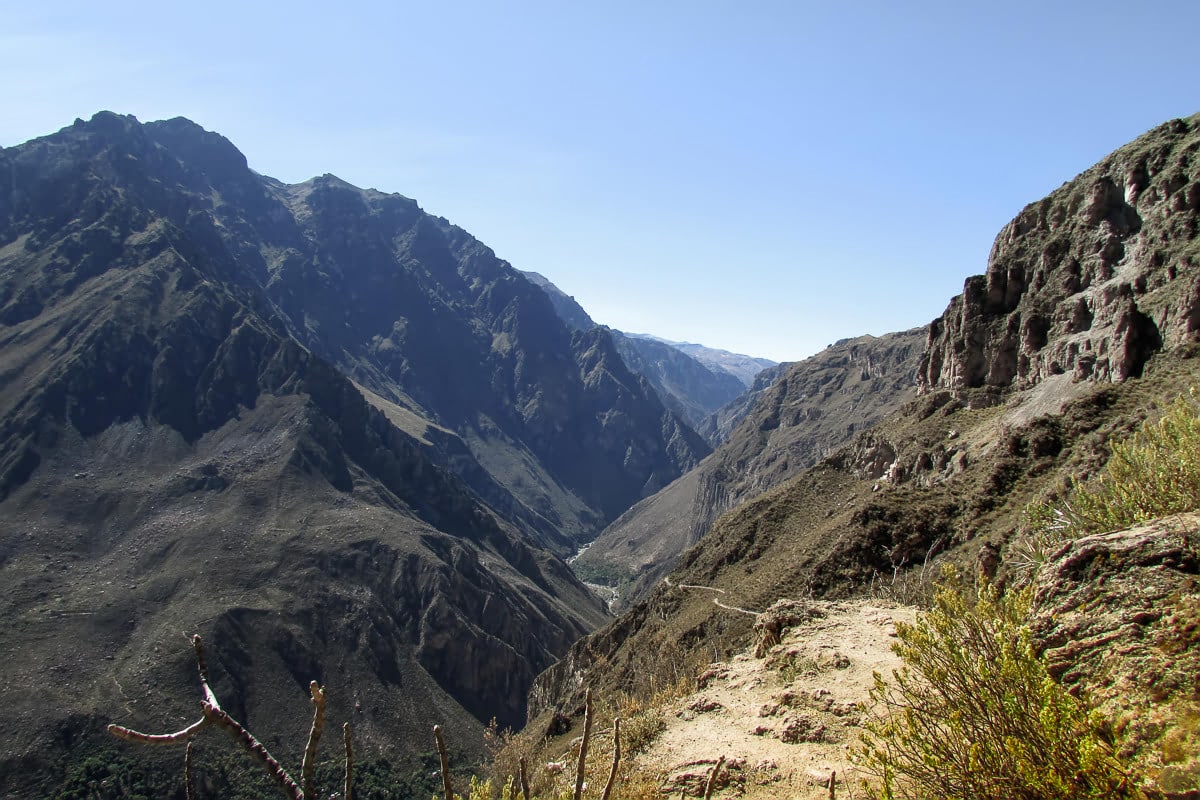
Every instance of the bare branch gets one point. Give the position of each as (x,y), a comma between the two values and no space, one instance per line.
(202,667)
(583,746)
(524,778)
(712,778)
(348,739)
(314,736)
(441,748)
(612,775)
(188,783)
(255,748)
(178,737)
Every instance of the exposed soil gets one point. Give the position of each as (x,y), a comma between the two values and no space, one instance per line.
(783,722)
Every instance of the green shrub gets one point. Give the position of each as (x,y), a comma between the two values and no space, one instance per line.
(973,712)
(1154,474)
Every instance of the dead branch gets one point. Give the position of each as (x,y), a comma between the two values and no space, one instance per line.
(178,737)
(188,783)
(314,736)
(441,748)
(348,739)
(255,748)
(612,775)
(583,746)
(712,778)
(524,770)
(215,715)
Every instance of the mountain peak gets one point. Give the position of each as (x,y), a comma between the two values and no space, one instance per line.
(209,151)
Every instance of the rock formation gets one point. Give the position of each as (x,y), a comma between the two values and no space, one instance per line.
(1088,282)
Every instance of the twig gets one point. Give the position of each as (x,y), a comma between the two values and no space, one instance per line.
(833,785)
(314,736)
(187,772)
(215,715)
(441,748)
(130,735)
(348,739)
(612,775)
(255,748)
(712,778)
(524,770)
(587,733)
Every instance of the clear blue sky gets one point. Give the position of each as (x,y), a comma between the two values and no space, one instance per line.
(765,177)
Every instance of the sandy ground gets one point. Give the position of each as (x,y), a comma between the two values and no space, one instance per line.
(783,723)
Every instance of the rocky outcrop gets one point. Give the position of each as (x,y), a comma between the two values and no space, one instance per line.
(1088,282)
(1120,613)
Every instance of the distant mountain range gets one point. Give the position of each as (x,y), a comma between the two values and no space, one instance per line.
(744,368)
(694,381)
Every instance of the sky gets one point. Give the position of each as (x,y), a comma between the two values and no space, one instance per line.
(762,177)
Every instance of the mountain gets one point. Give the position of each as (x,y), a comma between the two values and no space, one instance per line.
(1084,322)
(807,410)
(568,310)
(333,434)
(718,426)
(744,368)
(685,384)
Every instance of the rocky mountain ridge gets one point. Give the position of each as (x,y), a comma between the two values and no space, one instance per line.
(692,388)
(1086,282)
(745,368)
(333,434)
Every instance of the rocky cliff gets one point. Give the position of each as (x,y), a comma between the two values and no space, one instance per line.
(1088,282)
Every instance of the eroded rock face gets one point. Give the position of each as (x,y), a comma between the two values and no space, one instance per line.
(1089,281)
(1119,614)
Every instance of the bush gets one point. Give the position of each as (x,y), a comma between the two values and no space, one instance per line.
(973,712)
(1154,474)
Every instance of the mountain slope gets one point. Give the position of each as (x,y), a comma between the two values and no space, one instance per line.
(325,430)
(814,406)
(744,368)
(691,389)
(1003,418)
(686,385)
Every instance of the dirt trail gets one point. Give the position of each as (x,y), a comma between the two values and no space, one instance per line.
(782,722)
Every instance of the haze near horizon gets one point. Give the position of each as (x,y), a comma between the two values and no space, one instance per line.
(762,179)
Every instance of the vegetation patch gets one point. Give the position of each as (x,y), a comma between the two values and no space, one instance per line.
(1154,474)
(974,713)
